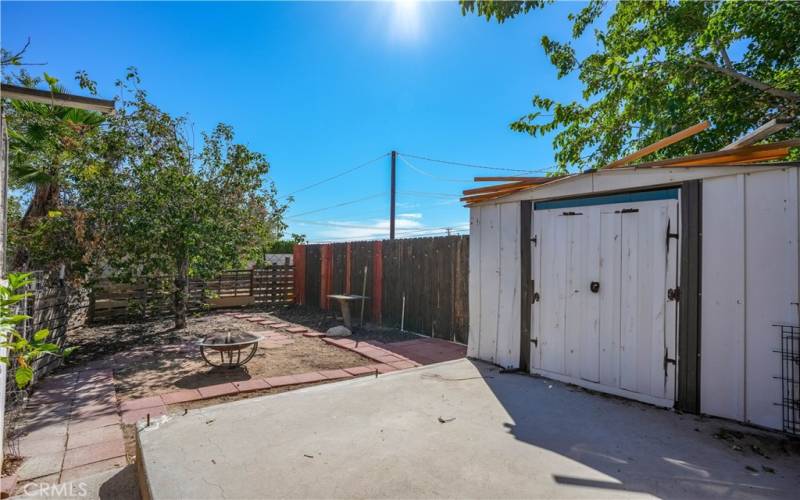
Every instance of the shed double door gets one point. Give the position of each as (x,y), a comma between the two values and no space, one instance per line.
(603,313)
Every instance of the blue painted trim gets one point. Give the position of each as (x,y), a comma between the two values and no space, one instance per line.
(608,199)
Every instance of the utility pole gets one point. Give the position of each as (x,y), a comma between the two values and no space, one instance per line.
(394,185)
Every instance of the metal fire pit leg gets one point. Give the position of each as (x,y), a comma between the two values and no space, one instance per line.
(230,363)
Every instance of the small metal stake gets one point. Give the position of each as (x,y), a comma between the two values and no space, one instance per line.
(403,314)
(363,294)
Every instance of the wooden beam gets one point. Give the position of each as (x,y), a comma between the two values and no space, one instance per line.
(761,152)
(771,127)
(667,141)
(501,187)
(509,179)
(770,155)
(496,194)
(56,98)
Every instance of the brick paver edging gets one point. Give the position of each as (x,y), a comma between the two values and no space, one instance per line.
(156,406)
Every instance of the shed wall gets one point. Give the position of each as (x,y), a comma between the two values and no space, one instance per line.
(494,284)
(749,283)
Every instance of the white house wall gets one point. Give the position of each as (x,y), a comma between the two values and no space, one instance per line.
(494,284)
(749,283)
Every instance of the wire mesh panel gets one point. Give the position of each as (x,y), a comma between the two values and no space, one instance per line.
(790,378)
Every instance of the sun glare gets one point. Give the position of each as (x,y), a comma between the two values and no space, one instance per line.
(406,22)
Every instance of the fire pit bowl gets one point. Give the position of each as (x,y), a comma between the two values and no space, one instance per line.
(239,348)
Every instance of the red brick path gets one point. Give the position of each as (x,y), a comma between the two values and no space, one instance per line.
(72,429)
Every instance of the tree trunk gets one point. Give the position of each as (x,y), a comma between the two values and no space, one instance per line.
(45,198)
(181,292)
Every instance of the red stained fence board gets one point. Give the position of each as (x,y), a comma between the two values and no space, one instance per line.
(377,281)
(348,265)
(326,272)
(300,274)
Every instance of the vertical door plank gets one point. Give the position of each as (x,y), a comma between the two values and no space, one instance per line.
(609,296)
(490,281)
(723,309)
(474,270)
(590,303)
(629,301)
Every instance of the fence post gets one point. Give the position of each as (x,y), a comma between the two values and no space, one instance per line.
(326,275)
(377,281)
(299,252)
(348,263)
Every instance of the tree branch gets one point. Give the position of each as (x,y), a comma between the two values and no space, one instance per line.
(726,58)
(10,59)
(766,88)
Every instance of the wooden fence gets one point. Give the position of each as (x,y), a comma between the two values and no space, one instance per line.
(56,306)
(151,297)
(432,274)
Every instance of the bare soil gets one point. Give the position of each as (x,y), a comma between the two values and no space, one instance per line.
(10,464)
(319,320)
(151,358)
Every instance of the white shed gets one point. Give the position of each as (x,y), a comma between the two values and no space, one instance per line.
(663,285)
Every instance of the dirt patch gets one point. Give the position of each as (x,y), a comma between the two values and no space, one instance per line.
(154,359)
(11,463)
(312,317)
(96,342)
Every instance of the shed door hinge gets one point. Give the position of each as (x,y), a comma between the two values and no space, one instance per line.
(674,294)
(571,213)
(668,361)
(669,234)
(627,211)
(535,342)
(535,240)
(536,297)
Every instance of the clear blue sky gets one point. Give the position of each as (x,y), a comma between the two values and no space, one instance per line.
(323,87)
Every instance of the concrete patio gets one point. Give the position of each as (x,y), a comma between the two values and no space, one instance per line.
(456,429)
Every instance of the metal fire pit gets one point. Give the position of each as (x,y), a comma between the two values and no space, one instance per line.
(239,348)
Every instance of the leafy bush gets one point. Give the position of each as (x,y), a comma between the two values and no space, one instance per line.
(23,351)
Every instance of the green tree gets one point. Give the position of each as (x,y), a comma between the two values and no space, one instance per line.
(660,67)
(48,145)
(163,209)
(286,245)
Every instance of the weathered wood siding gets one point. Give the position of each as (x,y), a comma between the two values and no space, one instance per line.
(430,272)
(751,224)
(495,284)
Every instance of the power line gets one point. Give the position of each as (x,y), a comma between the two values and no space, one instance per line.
(338,205)
(472,165)
(376,228)
(430,194)
(428,174)
(345,172)
(333,224)
(378,236)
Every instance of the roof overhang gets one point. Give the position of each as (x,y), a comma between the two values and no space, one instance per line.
(627,179)
(56,98)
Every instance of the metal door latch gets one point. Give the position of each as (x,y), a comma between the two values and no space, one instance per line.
(668,361)
(536,296)
(674,294)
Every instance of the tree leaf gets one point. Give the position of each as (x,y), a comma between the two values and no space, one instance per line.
(41,335)
(23,376)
